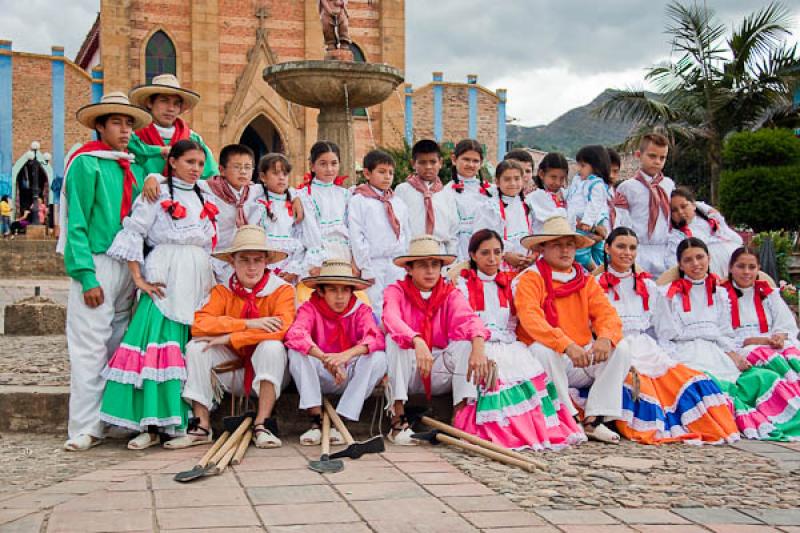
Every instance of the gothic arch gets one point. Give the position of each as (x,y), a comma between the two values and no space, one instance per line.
(158,32)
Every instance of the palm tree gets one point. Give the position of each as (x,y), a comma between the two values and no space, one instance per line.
(717,85)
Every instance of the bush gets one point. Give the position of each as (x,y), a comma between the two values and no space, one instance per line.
(762,148)
(762,198)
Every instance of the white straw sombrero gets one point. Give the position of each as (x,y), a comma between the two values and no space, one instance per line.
(164,84)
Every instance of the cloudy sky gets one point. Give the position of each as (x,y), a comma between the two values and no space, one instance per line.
(550,55)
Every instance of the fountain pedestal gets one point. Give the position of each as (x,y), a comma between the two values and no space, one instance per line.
(335,88)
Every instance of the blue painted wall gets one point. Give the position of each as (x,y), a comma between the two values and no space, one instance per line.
(438,96)
(409,115)
(501,124)
(6,123)
(58,89)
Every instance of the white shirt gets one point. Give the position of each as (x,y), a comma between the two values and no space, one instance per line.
(725,241)
(587,203)
(637,215)
(282,232)
(779,318)
(372,238)
(446,222)
(514,226)
(542,207)
(467,203)
(226,219)
(326,210)
(630,306)
(498,320)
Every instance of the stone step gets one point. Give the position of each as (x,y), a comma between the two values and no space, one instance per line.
(40,409)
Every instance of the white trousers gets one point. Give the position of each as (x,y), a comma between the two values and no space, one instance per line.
(313,380)
(92,337)
(605,379)
(269,363)
(653,258)
(449,372)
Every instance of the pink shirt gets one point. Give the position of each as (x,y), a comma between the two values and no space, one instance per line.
(454,321)
(310,328)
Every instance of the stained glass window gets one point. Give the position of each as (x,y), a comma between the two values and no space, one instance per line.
(159,56)
(358,57)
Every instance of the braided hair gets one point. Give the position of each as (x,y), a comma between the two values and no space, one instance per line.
(177,151)
(319,149)
(553,160)
(742,250)
(277,163)
(503,167)
(691,242)
(464,146)
(688,195)
(620,231)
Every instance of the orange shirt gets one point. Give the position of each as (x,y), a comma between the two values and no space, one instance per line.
(220,316)
(578,314)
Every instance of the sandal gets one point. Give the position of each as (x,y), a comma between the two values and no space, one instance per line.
(196,435)
(600,432)
(400,433)
(143,441)
(313,437)
(265,435)
(81,443)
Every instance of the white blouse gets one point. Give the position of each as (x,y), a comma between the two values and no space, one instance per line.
(630,307)
(372,237)
(466,203)
(514,226)
(498,320)
(637,216)
(779,318)
(701,229)
(587,203)
(542,207)
(327,235)
(282,232)
(446,224)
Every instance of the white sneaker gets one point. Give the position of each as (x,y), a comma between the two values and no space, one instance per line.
(403,437)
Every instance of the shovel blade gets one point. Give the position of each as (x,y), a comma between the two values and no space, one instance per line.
(326,465)
(357,449)
(231,423)
(190,475)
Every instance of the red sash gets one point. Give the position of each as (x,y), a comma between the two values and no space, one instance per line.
(249,310)
(761,290)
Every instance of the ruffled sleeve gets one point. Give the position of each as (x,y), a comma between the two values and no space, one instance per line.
(128,245)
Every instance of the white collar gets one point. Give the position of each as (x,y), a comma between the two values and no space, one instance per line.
(508,199)
(485,277)
(166,133)
(377,191)
(425,294)
(565,277)
(620,275)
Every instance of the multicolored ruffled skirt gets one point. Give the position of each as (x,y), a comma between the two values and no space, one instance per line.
(523,411)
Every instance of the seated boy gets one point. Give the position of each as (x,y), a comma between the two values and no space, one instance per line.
(559,307)
(166,100)
(434,339)
(378,224)
(335,347)
(243,322)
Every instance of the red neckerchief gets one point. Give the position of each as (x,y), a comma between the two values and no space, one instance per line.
(150,135)
(475,289)
(683,286)
(308,178)
(128,179)
(557,199)
(249,310)
(503,216)
(609,281)
(574,285)
(761,290)
(441,291)
(222,190)
(210,211)
(659,201)
(365,189)
(342,340)
(427,194)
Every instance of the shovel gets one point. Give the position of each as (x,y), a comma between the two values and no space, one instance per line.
(226,449)
(435,437)
(202,467)
(354,449)
(326,465)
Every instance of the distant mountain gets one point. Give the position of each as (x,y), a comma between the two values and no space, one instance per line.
(572,130)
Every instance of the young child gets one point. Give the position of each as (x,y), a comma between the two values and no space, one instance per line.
(697,329)
(146,374)
(524,158)
(588,208)
(325,206)
(429,212)
(100,184)
(378,224)
(508,215)
(665,401)
(233,191)
(5,216)
(335,347)
(547,201)
(523,410)
(245,320)
(616,166)
(434,340)
(466,191)
(690,220)
(166,100)
(642,203)
(571,327)
(281,216)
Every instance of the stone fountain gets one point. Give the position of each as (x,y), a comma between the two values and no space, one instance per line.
(335,87)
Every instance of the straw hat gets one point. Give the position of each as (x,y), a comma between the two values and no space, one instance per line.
(115,103)
(424,247)
(555,228)
(337,272)
(164,84)
(672,274)
(251,239)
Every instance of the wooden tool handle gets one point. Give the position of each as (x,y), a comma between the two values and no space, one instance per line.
(214,449)
(223,464)
(450,430)
(233,440)
(348,438)
(495,456)
(326,434)
(242,448)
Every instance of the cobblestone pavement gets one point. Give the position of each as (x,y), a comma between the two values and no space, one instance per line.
(34,360)
(401,490)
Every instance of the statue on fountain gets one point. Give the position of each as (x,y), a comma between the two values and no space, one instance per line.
(335,29)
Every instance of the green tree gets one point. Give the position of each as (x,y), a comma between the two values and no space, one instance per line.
(715,84)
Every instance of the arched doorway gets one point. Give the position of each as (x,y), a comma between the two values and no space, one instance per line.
(262,137)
